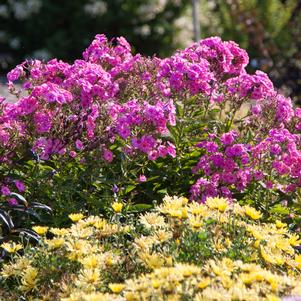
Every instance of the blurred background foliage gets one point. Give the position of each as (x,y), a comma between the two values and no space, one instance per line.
(270,30)
(63,29)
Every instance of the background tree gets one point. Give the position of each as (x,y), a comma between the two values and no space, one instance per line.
(50,28)
(270,32)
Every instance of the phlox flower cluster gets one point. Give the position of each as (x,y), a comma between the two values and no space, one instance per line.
(82,104)
(229,166)
(84,107)
(112,96)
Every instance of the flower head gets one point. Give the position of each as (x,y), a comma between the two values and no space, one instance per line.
(117,207)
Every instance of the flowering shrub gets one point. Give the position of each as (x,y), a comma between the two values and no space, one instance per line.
(275,161)
(196,121)
(180,250)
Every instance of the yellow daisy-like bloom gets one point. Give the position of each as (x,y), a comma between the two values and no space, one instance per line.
(173,206)
(152,261)
(59,232)
(279,224)
(220,204)
(91,261)
(204,283)
(117,207)
(196,222)
(40,230)
(7,271)
(252,213)
(88,278)
(152,220)
(162,235)
(271,257)
(75,217)
(294,240)
(54,243)
(298,261)
(116,288)
(11,247)
(198,209)
(29,279)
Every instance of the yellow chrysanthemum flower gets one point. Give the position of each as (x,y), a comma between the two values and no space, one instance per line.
(11,247)
(54,243)
(152,220)
(116,288)
(117,207)
(220,204)
(252,213)
(279,224)
(198,209)
(270,257)
(59,231)
(75,217)
(294,240)
(40,230)
(29,279)
(204,283)
(90,262)
(298,261)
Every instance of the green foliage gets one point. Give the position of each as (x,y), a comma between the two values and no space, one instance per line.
(47,29)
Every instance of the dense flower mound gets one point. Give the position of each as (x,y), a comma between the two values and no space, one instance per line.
(179,251)
(274,160)
(86,106)
(111,100)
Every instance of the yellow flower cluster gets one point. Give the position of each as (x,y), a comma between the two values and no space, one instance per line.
(105,265)
(272,243)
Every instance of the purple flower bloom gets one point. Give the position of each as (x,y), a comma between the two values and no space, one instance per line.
(115,188)
(107,155)
(43,122)
(15,73)
(20,185)
(72,154)
(5,190)
(142,178)
(78,144)
(12,202)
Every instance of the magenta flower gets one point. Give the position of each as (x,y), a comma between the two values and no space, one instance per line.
(15,74)
(107,155)
(5,190)
(78,144)
(43,122)
(12,202)
(20,185)
(72,154)
(142,178)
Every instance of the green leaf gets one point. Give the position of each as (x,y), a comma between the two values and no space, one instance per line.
(19,197)
(163,191)
(280,210)
(139,207)
(27,233)
(40,206)
(129,188)
(203,235)
(6,219)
